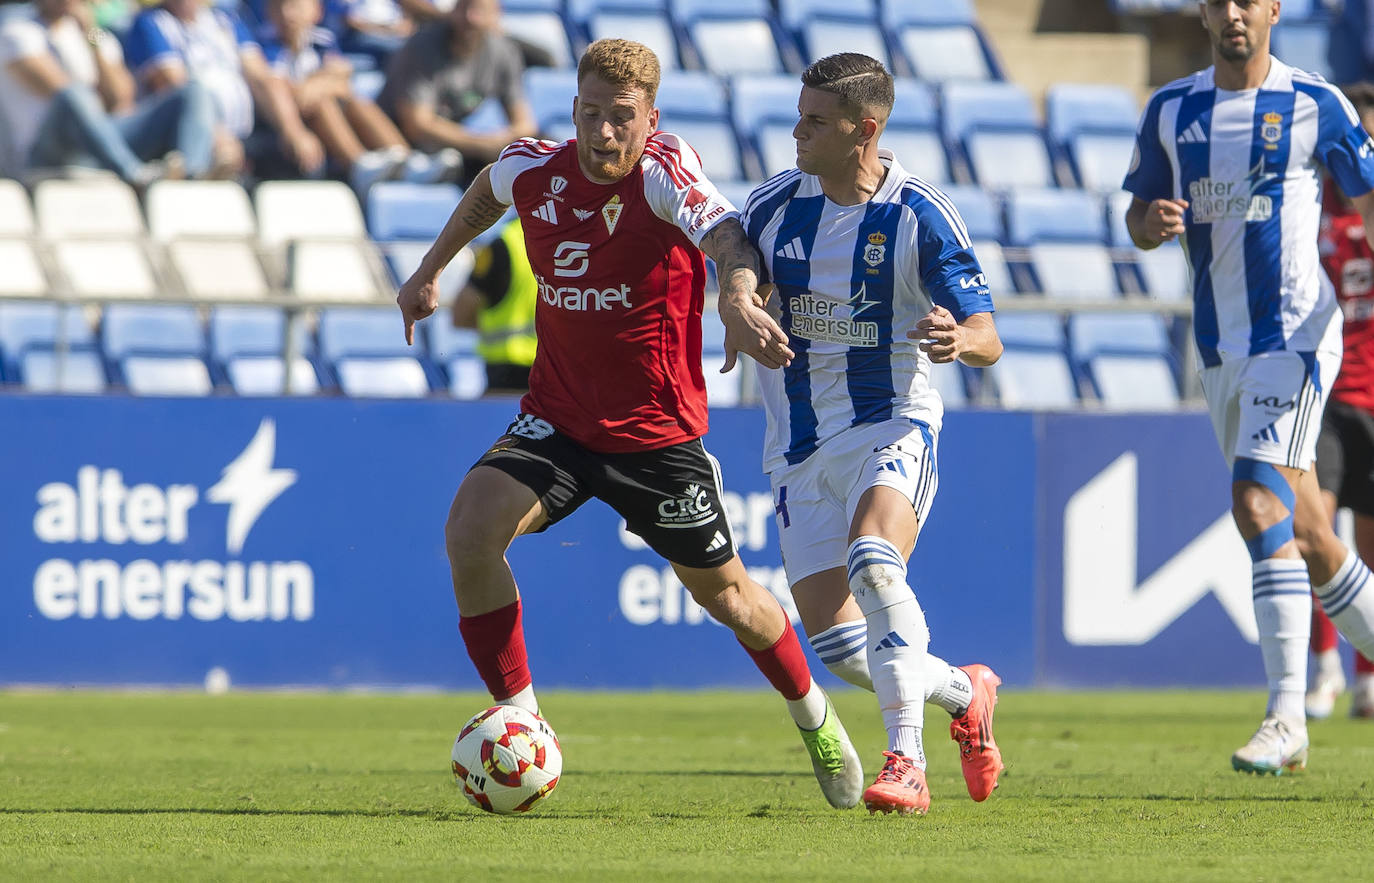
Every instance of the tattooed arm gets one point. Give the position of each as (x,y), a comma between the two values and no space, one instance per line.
(748,327)
(477,210)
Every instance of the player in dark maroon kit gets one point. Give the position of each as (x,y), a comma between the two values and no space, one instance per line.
(1345,450)
(615,222)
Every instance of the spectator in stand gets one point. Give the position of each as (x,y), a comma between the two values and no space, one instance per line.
(66,98)
(446,71)
(354,131)
(378,27)
(181,40)
(499,301)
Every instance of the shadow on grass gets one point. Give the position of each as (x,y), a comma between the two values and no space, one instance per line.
(434,815)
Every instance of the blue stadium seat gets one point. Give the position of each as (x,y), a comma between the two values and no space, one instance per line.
(266,376)
(541,25)
(715,142)
(1136,383)
(948,381)
(914,103)
(142,329)
(253,331)
(995,126)
(1054,215)
(690,94)
(897,13)
(981,211)
(165,375)
(446,341)
(736,36)
(551,92)
(829,34)
(28,325)
(1024,330)
(794,14)
(80,371)
(1095,127)
(1092,334)
(757,99)
(1074,270)
(382,377)
(920,151)
(346,332)
(946,54)
(651,27)
(995,269)
(1028,379)
(401,210)
(969,106)
(1165,272)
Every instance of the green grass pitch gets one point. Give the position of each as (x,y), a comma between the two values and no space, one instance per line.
(659,786)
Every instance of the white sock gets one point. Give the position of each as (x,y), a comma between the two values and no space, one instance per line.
(525,699)
(1349,601)
(1284,616)
(897,642)
(809,711)
(841,647)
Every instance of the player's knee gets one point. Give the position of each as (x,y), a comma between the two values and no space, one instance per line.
(468,536)
(1313,536)
(1260,496)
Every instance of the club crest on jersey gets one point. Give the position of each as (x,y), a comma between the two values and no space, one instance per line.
(876,250)
(557,183)
(610,213)
(1272,130)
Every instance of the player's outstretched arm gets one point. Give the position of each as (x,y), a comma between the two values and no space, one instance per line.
(477,210)
(1153,223)
(973,341)
(748,327)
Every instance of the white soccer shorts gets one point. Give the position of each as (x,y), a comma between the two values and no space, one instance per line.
(815,500)
(1268,407)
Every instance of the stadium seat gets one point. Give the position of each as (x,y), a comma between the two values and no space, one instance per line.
(403,258)
(253,331)
(996,127)
(77,371)
(945,54)
(337,271)
(22,272)
(28,325)
(829,34)
(757,99)
(542,27)
(1025,330)
(897,13)
(919,150)
(1101,160)
(219,269)
(1165,272)
(166,376)
(361,332)
(265,376)
(16,213)
(82,208)
(138,329)
(794,14)
(1054,215)
(291,210)
(648,26)
(1303,44)
(715,142)
(1074,270)
(401,210)
(735,36)
(1137,383)
(106,268)
(467,376)
(1033,380)
(914,104)
(691,94)
(1091,334)
(777,149)
(980,210)
(551,92)
(218,209)
(994,264)
(1117,204)
(1095,127)
(384,378)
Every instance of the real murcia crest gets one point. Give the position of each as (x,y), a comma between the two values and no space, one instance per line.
(610,213)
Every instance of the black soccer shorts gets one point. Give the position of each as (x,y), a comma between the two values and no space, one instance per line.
(1345,456)
(670,497)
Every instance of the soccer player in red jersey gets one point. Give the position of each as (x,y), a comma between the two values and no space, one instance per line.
(1345,450)
(615,224)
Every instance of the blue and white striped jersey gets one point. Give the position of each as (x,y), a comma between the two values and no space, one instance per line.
(1246,162)
(851,281)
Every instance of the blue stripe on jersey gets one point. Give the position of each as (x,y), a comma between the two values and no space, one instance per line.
(762,204)
(872,287)
(1269,146)
(800,221)
(1194,162)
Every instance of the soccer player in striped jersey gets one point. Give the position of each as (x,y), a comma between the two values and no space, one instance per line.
(1226,160)
(615,223)
(875,278)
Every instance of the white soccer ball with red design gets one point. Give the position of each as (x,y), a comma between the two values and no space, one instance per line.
(506,759)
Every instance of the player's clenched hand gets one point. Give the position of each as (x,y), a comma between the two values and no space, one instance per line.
(941,337)
(1164,219)
(750,330)
(418,298)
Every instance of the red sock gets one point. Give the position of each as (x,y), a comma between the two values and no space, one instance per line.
(1363,666)
(784,665)
(496,643)
(1323,629)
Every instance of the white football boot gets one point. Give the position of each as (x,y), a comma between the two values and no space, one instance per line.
(1328,682)
(1279,744)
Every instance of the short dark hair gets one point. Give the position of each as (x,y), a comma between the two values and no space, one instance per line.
(1360,94)
(862,83)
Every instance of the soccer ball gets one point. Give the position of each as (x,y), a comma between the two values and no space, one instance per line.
(506,759)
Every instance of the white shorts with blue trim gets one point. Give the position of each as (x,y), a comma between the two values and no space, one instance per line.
(1268,407)
(815,500)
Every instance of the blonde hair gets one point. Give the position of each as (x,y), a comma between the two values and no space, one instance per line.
(621,63)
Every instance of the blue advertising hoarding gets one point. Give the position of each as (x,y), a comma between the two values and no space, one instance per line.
(300,542)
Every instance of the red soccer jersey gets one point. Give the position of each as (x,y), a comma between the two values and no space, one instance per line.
(621,289)
(1347,260)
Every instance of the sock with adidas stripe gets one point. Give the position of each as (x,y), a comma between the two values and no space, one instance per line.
(842,648)
(897,640)
(1349,600)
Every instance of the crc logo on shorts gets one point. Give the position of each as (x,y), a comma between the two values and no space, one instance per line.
(692,508)
(527,426)
(570,258)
